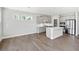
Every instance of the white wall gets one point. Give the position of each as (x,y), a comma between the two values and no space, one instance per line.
(77,23)
(78,27)
(0,24)
(12,26)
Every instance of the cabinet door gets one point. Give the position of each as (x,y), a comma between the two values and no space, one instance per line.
(57,33)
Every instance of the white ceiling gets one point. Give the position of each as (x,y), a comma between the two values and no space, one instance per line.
(63,11)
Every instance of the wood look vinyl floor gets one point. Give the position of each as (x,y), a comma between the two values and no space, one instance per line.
(39,42)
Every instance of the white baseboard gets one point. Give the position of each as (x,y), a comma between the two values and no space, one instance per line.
(14,36)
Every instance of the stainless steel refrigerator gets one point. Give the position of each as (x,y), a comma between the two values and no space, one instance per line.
(71,26)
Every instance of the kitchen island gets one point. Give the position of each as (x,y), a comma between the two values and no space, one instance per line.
(54,32)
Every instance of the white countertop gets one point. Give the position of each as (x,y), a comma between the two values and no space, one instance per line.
(55,28)
(44,25)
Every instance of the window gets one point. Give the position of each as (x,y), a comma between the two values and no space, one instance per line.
(23,18)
